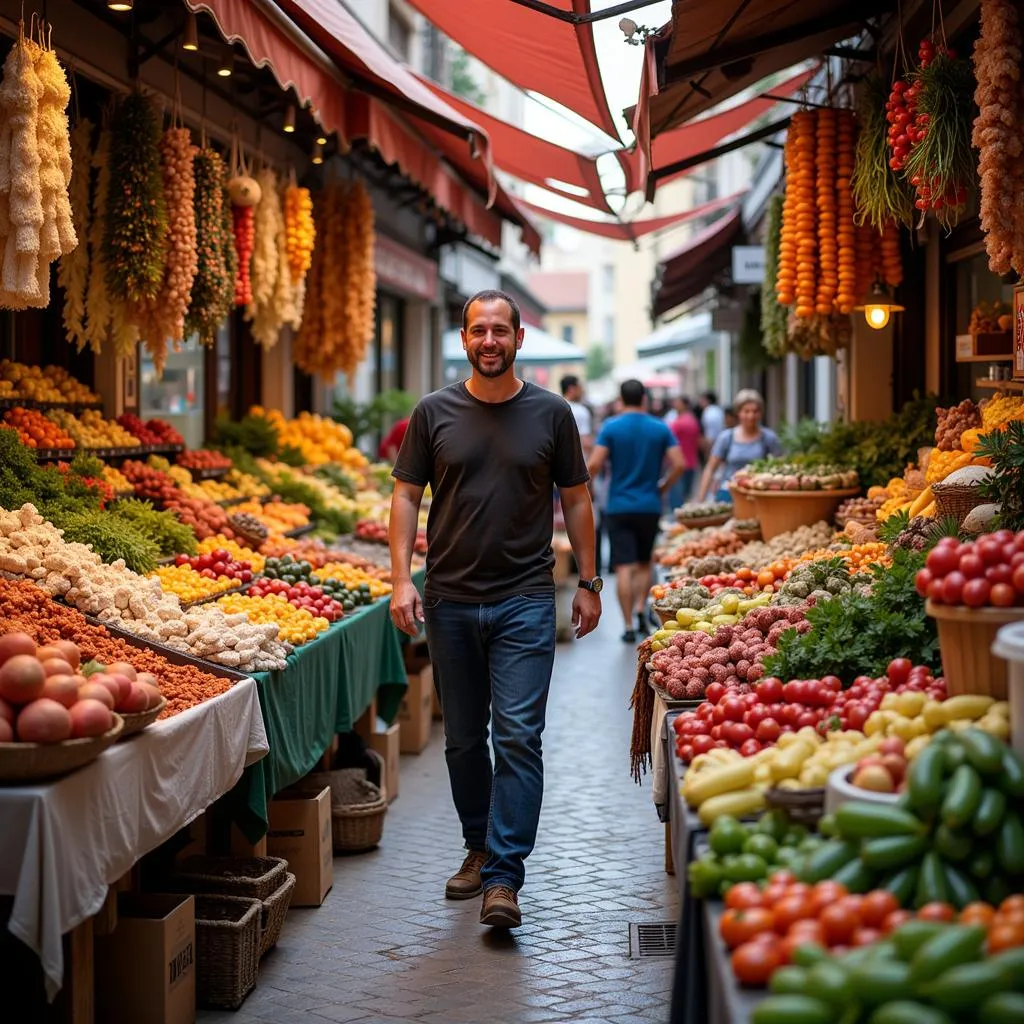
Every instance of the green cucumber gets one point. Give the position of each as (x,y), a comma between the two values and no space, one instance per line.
(955,944)
(904,1011)
(1012,961)
(1010,844)
(931,881)
(809,954)
(789,980)
(902,884)
(856,876)
(1011,782)
(982,864)
(960,888)
(989,815)
(965,986)
(953,844)
(862,820)
(881,981)
(984,751)
(1003,1008)
(827,860)
(792,1009)
(830,983)
(925,778)
(910,937)
(953,756)
(963,796)
(892,852)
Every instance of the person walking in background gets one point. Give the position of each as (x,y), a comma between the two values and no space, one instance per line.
(685,429)
(731,419)
(739,446)
(634,444)
(712,420)
(392,443)
(572,392)
(492,448)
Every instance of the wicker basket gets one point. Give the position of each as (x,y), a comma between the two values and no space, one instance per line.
(273,914)
(227,950)
(357,810)
(802,806)
(138,721)
(748,535)
(23,762)
(255,878)
(250,540)
(665,615)
(699,522)
(956,500)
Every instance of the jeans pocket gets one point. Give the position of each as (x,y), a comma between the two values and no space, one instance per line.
(536,598)
(430,604)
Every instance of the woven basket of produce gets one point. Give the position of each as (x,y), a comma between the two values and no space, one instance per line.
(275,908)
(227,950)
(665,615)
(253,877)
(25,762)
(746,529)
(960,492)
(248,529)
(802,806)
(137,721)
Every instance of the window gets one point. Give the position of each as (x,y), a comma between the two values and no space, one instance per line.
(567,333)
(609,330)
(608,279)
(399,34)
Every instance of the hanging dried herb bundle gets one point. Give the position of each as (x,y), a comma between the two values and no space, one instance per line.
(73,268)
(135,240)
(879,193)
(207,309)
(773,315)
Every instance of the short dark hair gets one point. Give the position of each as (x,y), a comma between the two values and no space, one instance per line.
(492,295)
(632,393)
(570,380)
(711,397)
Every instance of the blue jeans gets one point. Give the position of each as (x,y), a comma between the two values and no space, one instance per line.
(493,662)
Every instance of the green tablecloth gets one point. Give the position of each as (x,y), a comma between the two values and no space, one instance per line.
(327,685)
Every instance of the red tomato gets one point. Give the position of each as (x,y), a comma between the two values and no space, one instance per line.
(942,560)
(839,921)
(808,718)
(745,895)
(1002,573)
(792,908)
(936,912)
(833,683)
(794,692)
(1018,577)
(769,689)
(737,733)
(1003,595)
(923,580)
(718,714)
(705,710)
(976,592)
(702,744)
(714,692)
(971,565)
(755,962)
(877,906)
(898,671)
(756,714)
(990,551)
(953,587)
(748,748)
(895,919)
(791,713)
(740,926)
(733,709)
(768,731)
(716,733)
(782,877)
(826,893)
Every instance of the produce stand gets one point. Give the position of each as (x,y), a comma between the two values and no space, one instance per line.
(327,685)
(727,1002)
(783,511)
(62,843)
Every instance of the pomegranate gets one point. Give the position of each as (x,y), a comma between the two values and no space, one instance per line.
(122,668)
(90,718)
(21,679)
(97,692)
(70,652)
(12,644)
(44,721)
(62,689)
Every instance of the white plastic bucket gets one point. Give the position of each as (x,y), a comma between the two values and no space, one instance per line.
(1009,645)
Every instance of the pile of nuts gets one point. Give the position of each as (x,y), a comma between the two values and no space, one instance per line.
(952,422)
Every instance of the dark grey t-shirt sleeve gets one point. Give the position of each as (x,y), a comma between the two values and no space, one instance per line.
(415,461)
(569,468)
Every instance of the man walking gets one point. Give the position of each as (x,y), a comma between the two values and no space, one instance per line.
(636,444)
(685,429)
(572,392)
(492,448)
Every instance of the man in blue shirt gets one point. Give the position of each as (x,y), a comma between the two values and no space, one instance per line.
(635,444)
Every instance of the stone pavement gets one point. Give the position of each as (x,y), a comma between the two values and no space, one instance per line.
(387,947)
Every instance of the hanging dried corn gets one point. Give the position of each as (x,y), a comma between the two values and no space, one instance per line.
(271,303)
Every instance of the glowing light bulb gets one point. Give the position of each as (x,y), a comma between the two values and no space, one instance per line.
(876,316)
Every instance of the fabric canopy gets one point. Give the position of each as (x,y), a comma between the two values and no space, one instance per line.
(535,52)
(623,231)
(533,159)
(713,49)
(689,270)
(690,140)
(538,347)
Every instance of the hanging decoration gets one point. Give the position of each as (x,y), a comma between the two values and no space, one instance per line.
(998,134)
(162,319)
(271,305)
(244,191)
(338,320)
(207,309)
(73,268)
(135,234)
(36,225)
(773,314)
(301,231)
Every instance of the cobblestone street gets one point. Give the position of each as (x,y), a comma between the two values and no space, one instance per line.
(387,947)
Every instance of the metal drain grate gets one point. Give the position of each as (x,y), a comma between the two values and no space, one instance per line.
(652,940)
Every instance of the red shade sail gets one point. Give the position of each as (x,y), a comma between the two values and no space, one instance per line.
(696,137)
(533,51)
(531,158)
(630,232)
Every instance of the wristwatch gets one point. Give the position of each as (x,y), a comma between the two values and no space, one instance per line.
(595,586)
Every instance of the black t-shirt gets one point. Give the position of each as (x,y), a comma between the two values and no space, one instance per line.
(492,468)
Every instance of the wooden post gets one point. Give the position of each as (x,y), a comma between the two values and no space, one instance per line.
(670,864)
(79,974)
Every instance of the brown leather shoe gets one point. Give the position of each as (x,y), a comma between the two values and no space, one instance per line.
(501,908)
(465,883)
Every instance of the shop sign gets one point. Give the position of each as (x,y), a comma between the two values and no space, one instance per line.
(403,270)
(747,264)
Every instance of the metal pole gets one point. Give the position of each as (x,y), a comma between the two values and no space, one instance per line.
(583,19)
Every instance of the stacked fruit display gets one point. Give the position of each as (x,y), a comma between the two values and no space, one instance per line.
(190,585)
(204,459)
(151,432)
(205,518)
(218,562)
(356,577)
(985,572)
(152,484)
(45,384)
(36,430)
(91,430)
(219,545)
(774,475)
(295,625)
(301,594)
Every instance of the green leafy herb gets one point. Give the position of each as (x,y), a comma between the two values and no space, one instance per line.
(1006,485)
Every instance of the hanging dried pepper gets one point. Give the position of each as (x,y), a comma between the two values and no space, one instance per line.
(207,309)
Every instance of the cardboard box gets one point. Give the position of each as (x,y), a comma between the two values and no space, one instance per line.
(416,713)
(388,744)
(241,847)
(145,969)
(300,831)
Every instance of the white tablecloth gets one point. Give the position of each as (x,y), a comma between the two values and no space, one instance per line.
(62,843)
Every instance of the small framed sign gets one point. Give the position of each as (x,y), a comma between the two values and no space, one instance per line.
(1018,333)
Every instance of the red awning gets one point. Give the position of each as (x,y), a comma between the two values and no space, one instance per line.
(533,159)
(535,52)
(696,137)
(690,269)
(623,231)
(713,49)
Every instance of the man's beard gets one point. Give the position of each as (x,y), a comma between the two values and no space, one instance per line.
(495,370)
